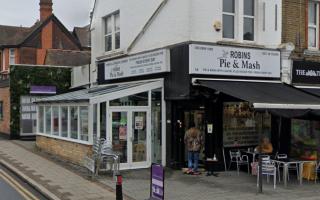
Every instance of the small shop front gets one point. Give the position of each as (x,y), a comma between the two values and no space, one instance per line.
(128,115)
(235,95)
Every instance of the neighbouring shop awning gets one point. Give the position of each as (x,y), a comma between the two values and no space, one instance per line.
(92,95)
(280,98)
(313,91)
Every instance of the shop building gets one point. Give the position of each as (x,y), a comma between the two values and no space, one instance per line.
(159,65)
(46,43)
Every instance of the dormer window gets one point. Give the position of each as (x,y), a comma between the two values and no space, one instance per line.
(112,31)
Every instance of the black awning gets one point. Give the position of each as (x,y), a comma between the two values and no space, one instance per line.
(283,99)
(313,91)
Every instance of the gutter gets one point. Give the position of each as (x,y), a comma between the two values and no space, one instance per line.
(146,26)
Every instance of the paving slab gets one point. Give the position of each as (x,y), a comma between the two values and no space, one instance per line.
(51,175)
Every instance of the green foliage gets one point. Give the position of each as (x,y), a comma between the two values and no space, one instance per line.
(22,77)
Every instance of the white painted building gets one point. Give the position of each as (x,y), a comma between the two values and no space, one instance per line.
(152,24)
(162,65)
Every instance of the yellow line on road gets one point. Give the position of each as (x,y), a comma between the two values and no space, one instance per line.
(17,186)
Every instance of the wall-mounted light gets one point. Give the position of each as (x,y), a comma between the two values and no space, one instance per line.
(217,25)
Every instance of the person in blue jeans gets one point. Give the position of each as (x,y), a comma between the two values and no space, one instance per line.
(194,142)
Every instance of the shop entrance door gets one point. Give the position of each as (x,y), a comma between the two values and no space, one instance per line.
(130,134)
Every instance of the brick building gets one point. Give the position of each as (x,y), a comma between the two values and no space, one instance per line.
(41,44)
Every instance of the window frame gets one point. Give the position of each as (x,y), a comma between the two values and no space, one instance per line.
(313,26)
(113,32)
(1,111)
(12,56)
(234,15)
(244,16)
(239,17)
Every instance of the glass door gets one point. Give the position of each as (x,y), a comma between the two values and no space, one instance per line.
(130,135)
(119,135)
(139,138)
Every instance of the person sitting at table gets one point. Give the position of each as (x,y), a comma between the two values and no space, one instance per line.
(266,146)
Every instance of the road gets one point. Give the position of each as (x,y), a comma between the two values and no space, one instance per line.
(12,188)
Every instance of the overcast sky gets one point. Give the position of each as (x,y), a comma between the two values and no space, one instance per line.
(26,12)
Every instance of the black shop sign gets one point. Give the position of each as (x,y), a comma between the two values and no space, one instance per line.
(306,72)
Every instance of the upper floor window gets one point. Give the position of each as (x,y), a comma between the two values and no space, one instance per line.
(313,24)
(228,19)
(238,21)
(248,20)
(11,57)
(112,31)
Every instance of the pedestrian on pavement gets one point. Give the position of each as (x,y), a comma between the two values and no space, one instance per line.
(194,143)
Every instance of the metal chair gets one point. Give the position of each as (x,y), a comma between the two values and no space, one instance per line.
(108,156)
(268,168)
(236,157)
(290,166)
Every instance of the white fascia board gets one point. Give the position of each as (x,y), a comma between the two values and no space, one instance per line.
(126,92)
(286,106)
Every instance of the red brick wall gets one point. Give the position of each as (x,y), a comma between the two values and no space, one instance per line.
(28,55)
(46,36)
(5,122)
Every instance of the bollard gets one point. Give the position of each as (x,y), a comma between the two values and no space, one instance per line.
(119,195)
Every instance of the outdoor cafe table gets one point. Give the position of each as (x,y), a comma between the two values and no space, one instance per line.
(286,163)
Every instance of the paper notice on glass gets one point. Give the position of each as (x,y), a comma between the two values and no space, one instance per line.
(138,123)
(210,128)
(123,133)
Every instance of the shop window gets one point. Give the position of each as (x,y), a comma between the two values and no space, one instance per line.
(140,99)
(41,121)
(64,121)
(228,19)
(95,120)
(156,128)
(48,120)
(313,24)
(74,122)
(103,125)
(12,57)
(55,115)
(112,32)
(304,139)
(248,20)
(84,123)
(1,110)
(241,126)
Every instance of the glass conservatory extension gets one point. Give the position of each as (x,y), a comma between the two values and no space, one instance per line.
(129,115)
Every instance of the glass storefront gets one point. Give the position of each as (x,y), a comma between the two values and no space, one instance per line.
(305,136)
(241,125)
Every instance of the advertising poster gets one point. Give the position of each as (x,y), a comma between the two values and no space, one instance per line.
(123,133)
(138,123)
(157,182)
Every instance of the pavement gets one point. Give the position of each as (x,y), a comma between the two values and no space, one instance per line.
(52,178)
(72,182)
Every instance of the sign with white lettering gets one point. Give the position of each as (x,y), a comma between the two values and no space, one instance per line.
(232,61)
(138,65)
(306,72)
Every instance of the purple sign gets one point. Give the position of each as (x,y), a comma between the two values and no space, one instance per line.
(157,182)
(43,89)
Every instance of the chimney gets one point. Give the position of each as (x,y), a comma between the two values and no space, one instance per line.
(45,9)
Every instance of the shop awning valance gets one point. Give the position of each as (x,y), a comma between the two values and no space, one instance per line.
(267,95)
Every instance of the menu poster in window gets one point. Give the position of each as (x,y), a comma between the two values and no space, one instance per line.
(239,125)
(123,133)
(138,123)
